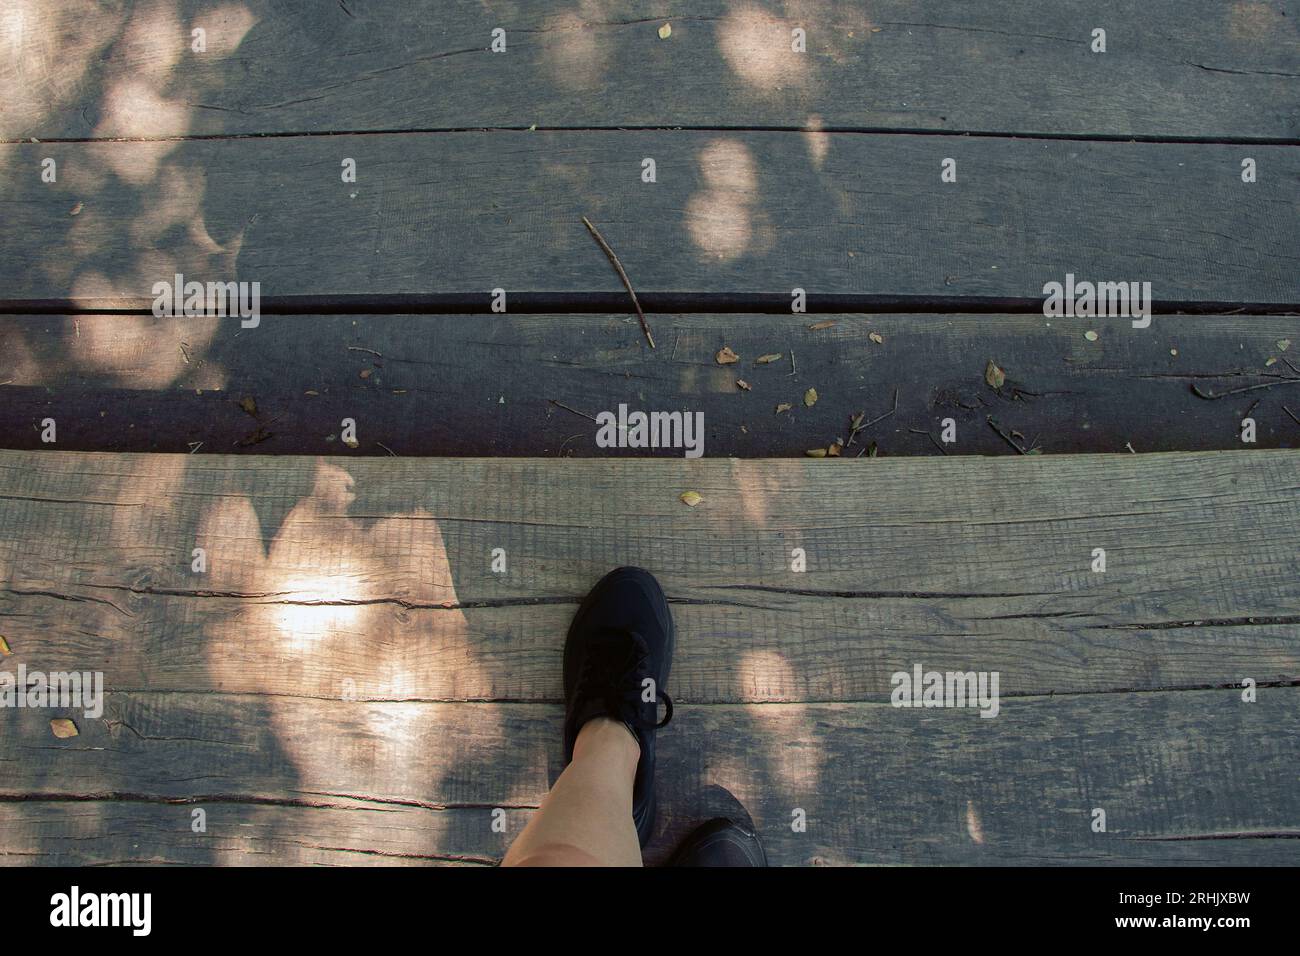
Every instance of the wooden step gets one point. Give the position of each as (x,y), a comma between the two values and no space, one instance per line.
(1177,68)
(350,652)
(531,385)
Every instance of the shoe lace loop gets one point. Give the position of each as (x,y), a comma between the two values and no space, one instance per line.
(610,672)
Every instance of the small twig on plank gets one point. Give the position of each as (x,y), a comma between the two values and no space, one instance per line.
(1211,397)
(854,429)
(933,440)
(793,368)
(358,348)
(1292,414)
(1005,437)
(627,283)
(386,448)
(574,410)
(879,418)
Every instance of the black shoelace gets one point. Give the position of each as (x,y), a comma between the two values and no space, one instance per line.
(610,673)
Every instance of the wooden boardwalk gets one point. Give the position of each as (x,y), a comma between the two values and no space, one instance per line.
(348,682)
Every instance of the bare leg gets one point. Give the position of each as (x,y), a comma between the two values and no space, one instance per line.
(586,819)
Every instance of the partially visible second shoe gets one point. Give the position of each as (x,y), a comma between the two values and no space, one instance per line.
(720,842)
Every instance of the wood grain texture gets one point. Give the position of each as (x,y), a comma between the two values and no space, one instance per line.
(349,683)
(445,218)
(372,577)
(1190,777)
(469,385)
(1178,68)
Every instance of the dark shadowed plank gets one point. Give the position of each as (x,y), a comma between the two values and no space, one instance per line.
(1171,68)
(447,217)
(372,578)
(480,385)
(350,833)
(1196,776)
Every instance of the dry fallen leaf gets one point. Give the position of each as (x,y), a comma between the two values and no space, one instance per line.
(248,404)
(783,407)
(351,442)
(1284,344)
(725,356)
(665,31)
(76,210)
(1272,360)
(816,453)
(834,450)
(767,359)
(4,647)
(994,375)
(818,326)
(876,337)
(63,728)
(311,391)
(810,397)
(367,372)
(1090,335)
(260,435)
(691,498)
(743,384)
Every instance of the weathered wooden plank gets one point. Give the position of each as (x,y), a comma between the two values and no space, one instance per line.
(372,578)
(1171,67)
(352,833)
(115,832)
(470,386)
(445,218)
(1194,776)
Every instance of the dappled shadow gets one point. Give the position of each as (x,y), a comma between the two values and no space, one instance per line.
(451,215)
(349,657)
(351,663)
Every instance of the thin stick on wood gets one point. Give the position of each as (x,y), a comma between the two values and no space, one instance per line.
(1211,397)
(933,440)
(1292,414)
(574,410)
(879,418)
(627,283)
(358,348)
(386,448)
(1005,437)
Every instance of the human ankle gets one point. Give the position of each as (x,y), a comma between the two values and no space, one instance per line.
(606,737)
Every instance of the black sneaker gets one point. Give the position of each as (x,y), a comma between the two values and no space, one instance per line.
(720,842)
(621,635)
